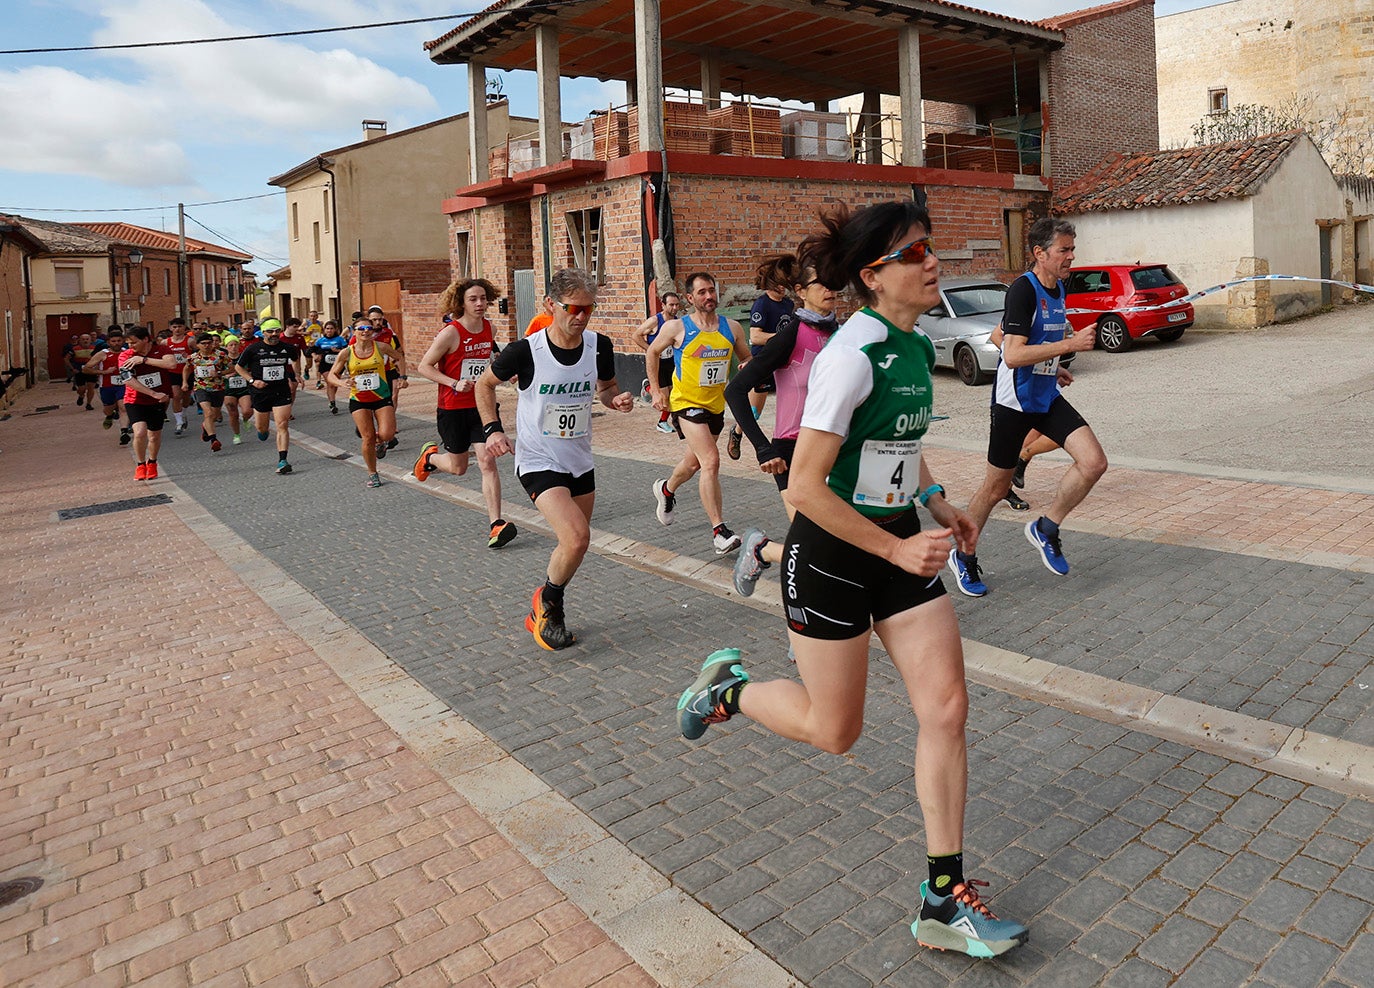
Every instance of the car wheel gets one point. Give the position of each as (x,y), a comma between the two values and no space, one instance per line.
(1112,335)
(966,363)
(1169,335)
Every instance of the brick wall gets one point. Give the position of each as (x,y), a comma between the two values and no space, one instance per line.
(502,246)
(13,301)
(1103,93)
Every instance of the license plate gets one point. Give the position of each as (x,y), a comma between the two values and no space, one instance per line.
(1177,316)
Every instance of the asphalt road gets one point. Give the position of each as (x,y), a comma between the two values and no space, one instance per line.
(1288,402)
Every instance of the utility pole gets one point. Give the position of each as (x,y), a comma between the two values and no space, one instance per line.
(183,276)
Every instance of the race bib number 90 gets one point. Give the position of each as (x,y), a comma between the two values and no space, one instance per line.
(367,382)
(713,373)
(569,421)
(889,472)
(274,373)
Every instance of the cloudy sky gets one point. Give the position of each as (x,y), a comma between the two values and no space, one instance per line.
(126,135)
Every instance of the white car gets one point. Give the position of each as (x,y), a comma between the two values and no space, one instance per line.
(969,310)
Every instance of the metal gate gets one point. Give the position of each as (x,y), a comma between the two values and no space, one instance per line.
(1324,249)
(526,303)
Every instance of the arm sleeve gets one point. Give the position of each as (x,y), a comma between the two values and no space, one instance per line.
(516,360)
(1018,314)
(775,354)
(605,358)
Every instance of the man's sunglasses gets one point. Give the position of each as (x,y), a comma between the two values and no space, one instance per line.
(913,253)
(573,309)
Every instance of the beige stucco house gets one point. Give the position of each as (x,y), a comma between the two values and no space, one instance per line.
(367,216)
(1225,211)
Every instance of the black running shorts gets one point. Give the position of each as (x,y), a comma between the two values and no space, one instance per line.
(1010,426)
(538,481)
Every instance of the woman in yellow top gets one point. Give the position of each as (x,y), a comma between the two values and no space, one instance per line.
(364,363)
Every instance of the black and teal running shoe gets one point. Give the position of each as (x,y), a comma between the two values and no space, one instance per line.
(962,923)
(714,696)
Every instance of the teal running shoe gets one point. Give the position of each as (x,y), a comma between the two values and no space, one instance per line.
(710,699)
(962,923)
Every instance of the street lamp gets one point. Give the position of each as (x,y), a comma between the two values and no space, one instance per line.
(135,257)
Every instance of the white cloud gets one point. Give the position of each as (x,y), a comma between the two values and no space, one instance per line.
(68,124)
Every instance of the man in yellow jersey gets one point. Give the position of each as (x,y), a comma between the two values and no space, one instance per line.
(701,345)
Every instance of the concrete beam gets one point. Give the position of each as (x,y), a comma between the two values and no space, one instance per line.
(550,100)
(477,121)
(909,83)
(649,74)
(710,80)
(871,127)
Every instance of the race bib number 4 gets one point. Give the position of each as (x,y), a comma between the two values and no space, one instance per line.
(274,373)
(471,369)
(889,472)
(367,382)
(570,421)
(713,373)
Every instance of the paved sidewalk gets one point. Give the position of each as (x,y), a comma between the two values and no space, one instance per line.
(1143,839)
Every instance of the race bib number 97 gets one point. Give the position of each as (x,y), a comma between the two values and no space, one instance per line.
(889,472)
(713,373)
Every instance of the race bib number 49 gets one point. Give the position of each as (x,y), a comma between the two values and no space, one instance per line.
(367,382)
(889,472)
(570,421)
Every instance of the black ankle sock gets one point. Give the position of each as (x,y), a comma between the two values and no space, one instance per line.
(946,871)
(758,552)
(498,521)
(1047,527)
(553,593)
(716,530)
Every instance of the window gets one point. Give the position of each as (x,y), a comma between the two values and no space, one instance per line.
(1217,102)
(326,210)
(295,221)
(166,281)
(68,280)
(461,243)
(146,280)
(1014,239)
(584,238)
(127,289)
(315,231)
(317,298)
(1089,282)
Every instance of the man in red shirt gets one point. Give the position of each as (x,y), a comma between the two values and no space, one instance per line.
(153,372)
(455,360)
(179,346)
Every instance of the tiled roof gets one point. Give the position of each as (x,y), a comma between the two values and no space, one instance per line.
(1077,17)
(1177,176)
(62,238)
(127,233)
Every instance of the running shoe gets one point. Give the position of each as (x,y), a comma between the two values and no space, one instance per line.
(645,395)
(724,540)
(748,566)
(109,421)
(141,472)
(665,427)
(962,923)
(501,534)
(319,385)
(422,468)
(216,445)
(262,437)
(732,446)
(665,502)
(238,440)
(545,622)
(381,449)
(333,408)
(283,467)
(704,702)
(79,400)
(125,437)
(204,436)
(180,430)
(967,575)
(373,480)
(1018,479)
(150,471)
(392,443)
(1050,552)
(1016,502)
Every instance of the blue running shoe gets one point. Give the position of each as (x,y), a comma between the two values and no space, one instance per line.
(960,922)
(966,575)
(708,699)
(1050,552)
(748,566)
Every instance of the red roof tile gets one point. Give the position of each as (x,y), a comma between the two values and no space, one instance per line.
(127,233)
(1177,176)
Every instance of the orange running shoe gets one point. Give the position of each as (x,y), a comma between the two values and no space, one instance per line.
(422,468)
(545,622)
(152,471)
(141,472)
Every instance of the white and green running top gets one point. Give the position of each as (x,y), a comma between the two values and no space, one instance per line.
(871,384)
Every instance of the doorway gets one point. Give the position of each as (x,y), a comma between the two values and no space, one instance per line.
(60,331)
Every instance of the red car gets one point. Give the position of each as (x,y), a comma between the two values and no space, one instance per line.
(1110,288)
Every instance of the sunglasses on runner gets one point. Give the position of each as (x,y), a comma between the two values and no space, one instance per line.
(573,309)
(913,253)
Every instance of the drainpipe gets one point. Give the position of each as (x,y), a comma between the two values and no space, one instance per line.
(334,224)
(29,378)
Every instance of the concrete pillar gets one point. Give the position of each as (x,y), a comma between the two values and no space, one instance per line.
(872,127)
(632,91)
(550,102)
(909,82)
(1045,122)
(710,81)
(649,74)
(477,121)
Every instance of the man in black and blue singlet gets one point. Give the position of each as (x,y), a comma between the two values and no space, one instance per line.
(1026,395)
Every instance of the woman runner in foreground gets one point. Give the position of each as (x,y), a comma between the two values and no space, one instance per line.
(857,562)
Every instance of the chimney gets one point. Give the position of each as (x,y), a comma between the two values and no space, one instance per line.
(373,129)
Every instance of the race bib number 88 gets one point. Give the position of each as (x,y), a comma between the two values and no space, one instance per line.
(889,472)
